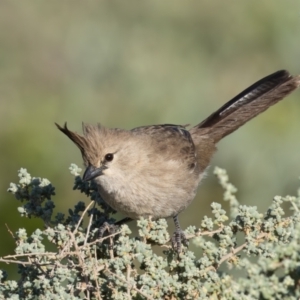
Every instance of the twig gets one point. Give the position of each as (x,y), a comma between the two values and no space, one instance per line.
(132,286)
(203,233)
(77,226)
(89,226)
(128,271)
(295,206)
(31,255)
(10,232)
(96,277)
(232,253)
(111,250)
(81,260)
(82,216)
(238,249)
(20,262)
(100,240)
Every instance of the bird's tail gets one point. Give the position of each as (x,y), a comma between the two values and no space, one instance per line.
(247,105)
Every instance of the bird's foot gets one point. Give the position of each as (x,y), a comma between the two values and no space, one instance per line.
(111,229)
(107,229)
(179,239)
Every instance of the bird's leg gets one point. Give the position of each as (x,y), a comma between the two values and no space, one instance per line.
(112,228)
(179,237)
(123,221)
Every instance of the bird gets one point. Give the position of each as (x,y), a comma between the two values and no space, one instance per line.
(155,170)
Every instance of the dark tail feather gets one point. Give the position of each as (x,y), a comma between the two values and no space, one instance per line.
(247,105)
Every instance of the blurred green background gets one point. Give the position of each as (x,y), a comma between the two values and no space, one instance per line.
(132,63)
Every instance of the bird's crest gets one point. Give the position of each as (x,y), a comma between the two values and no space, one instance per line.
(89,143)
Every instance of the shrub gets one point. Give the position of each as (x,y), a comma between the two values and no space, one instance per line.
(87,265)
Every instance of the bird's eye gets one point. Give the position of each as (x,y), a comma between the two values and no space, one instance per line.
(109,157)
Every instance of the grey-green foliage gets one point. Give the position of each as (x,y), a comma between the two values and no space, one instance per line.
(118,265)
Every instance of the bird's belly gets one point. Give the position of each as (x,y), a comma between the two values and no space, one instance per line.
(144,201)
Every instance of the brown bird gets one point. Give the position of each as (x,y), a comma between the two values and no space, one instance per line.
(156,170)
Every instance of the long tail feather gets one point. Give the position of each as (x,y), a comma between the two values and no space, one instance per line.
(247,105)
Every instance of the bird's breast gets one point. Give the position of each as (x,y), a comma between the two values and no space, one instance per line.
(159,196)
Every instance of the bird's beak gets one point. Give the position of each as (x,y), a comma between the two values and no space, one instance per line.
(92,172)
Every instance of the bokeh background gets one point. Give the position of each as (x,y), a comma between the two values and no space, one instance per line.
(132,63)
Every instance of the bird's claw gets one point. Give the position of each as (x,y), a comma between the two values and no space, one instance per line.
(107,228)
(178,239)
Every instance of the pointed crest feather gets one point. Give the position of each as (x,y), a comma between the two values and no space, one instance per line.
(79,140)
(91,142)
